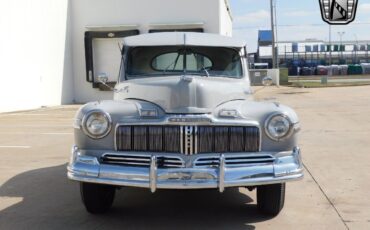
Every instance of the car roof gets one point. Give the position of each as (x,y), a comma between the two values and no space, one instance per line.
(183,38)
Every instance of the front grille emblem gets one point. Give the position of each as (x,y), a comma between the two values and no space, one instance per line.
(189,136)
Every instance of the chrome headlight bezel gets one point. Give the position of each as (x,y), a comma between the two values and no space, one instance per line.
(287,134)
(106,116)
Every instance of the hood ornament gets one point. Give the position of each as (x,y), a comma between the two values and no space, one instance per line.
(186,78)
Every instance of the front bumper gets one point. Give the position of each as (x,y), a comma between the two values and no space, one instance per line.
(285,166)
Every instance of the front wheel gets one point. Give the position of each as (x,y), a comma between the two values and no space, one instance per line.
(270,198)
(97,198)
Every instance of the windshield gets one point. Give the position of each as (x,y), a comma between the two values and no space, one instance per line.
(179,60)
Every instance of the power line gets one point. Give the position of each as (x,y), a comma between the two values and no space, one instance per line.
(293,25)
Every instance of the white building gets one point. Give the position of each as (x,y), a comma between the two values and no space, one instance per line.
(313,51)
(42,43)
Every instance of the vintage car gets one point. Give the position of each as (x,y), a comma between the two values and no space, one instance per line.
(183,117)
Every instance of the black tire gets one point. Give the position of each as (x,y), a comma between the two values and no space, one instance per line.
(271,198)
(97,198)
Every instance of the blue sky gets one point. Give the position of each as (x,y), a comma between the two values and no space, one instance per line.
(296,19)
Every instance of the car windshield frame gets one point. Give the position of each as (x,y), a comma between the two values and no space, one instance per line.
(236,62)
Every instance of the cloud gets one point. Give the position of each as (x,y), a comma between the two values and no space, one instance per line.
(250,36)
(299,13)
(252,17)
(303,32)
(364,7)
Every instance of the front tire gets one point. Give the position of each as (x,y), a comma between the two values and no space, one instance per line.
(271,198)
(97,198)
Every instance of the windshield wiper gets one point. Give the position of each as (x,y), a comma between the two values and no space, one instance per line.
(203,68)
(206,71)
(174,63)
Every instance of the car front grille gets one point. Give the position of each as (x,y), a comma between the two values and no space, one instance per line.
(234,161)
(142,160)
(188,140)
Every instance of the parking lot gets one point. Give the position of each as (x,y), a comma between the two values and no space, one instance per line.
(35,193)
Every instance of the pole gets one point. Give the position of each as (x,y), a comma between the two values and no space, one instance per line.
(273,36)
(330,67)
(355,35)
(329,44)
(341,42)
(276,38)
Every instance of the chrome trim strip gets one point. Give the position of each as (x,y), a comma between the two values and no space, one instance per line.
(184,120)
(115,137)
(128,163)
(137,154)
(195,134)
(221,176)
(246,161)
(127,158)
(138,158)
(182,150)
(153,174)
(186,140)
(190,135)
(167,160)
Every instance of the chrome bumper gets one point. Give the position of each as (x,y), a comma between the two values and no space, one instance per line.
(286,166)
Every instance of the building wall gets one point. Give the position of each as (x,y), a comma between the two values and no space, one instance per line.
(42,44)
(226,21)
(32,56)
(147,15)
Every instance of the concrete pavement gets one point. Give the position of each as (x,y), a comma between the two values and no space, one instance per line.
(35,194)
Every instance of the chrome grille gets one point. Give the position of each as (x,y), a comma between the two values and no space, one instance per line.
(148,138)
(128,160)
(234,161)
(142,161)
(220,139)
(188,140)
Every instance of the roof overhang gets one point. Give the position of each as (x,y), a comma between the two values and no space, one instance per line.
(183,38)
(111,27)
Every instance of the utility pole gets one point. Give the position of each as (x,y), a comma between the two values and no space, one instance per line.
(276,38)
(273,35)
(330,46)
(324,80)
(356,47)
(341,42)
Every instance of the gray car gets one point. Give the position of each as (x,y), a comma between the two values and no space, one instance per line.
(183,117)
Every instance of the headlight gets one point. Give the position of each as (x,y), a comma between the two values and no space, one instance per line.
(96,124)
(278,127)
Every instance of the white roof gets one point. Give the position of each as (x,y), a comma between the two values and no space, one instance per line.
(181,38)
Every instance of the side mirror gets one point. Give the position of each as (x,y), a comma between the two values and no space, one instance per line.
(103,78)
(267,81)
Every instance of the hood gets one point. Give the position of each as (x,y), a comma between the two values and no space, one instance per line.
(184,94)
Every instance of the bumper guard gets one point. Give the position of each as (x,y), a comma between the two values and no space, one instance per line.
(286,166)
